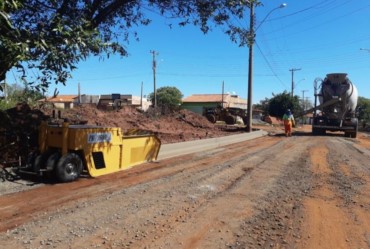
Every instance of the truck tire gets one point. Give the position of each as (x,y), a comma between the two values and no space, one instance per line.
(40,161)
(211,118)
(69,167)
(230,119)
(350,134)
(318,132)
(37,163)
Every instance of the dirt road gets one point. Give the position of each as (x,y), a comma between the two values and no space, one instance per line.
(270,192)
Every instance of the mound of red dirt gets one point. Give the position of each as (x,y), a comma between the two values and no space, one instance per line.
(181,126)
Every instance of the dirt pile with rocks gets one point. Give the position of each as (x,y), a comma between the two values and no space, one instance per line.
(175,127)
(19,127)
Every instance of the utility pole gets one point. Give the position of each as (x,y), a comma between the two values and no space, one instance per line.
(222,96)
(303,103)
(79,93)
(293,70)
(251,40)
(154,53)
(303,106)
(141,96)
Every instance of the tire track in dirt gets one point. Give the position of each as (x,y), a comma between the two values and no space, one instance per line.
(85,191)
(197,189)
(352,182)
(330,220)
(276,223)
(257,194)
(218,220)
(172,208)
(21,207)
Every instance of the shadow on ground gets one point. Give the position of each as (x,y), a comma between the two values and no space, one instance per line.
(309,134)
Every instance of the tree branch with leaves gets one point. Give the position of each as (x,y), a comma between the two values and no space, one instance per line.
(51,37)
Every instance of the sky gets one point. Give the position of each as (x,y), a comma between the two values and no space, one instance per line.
(313,38)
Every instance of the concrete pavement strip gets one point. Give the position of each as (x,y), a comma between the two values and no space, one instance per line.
(178,149)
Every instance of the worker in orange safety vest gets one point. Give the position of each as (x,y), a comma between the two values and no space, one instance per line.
(288,120)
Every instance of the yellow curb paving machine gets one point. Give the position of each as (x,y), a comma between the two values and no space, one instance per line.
(67,150)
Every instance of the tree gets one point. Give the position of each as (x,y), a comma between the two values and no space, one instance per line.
(16,93)
(168,98)
(363,110)
(53,36)
(263,105)
(281,102)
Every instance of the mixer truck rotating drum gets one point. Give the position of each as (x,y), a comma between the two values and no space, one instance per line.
(338,100)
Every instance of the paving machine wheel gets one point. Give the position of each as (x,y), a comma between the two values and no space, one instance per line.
(69,167)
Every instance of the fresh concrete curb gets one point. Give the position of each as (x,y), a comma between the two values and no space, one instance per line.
(177,149)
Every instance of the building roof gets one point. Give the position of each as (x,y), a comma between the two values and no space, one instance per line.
(228,99)
(61,99)
(205,98)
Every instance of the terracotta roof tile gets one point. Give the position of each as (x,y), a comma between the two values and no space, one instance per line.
(61,98)
(205,98)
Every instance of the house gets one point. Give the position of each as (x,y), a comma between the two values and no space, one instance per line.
(87,99)
(198,102)
(257,113)
(102,101)
(61,101)
(308,118)
(142,103)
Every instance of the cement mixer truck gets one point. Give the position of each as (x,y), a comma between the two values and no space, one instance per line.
(337,110)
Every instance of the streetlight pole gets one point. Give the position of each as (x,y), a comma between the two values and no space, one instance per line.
(251,40)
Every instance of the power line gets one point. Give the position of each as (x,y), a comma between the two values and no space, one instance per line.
(315,15)
(269,65)
(315,6)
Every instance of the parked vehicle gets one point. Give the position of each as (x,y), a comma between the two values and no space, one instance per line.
(228,115)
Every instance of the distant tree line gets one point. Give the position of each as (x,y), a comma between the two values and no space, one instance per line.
(279,103)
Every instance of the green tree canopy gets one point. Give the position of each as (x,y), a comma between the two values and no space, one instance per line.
(363,109)
(53,36)
(168,98)
(279,103)
(263,106)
